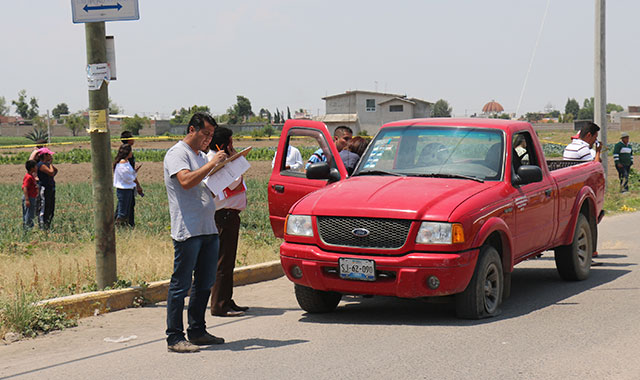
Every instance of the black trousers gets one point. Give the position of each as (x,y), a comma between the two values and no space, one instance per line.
(228,223)
(47,206)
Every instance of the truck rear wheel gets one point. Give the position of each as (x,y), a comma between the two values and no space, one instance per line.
(483,295)
(316,301)
(573,261)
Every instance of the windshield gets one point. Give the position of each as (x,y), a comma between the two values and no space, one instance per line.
(450,152)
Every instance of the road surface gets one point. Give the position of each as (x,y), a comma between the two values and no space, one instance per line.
(548,329)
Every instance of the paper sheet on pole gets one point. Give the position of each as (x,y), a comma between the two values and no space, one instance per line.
(224,177)
(96,74)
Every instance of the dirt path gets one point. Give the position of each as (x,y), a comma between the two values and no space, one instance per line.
(150,172)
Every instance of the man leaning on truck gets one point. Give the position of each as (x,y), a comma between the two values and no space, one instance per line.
(580,149)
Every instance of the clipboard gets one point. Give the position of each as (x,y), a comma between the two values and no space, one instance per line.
(242,153)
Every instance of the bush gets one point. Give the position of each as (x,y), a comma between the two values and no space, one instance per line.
(23,316)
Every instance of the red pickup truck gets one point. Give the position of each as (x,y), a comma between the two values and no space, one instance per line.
(435,207)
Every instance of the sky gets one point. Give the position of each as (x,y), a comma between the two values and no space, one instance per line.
(292,53)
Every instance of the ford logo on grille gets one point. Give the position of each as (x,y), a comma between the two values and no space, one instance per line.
(360,232)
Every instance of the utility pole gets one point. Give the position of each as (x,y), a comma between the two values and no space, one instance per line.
(106,273)
(48,129)
(600,79)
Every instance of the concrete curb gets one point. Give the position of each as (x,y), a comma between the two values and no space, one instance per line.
(95,303)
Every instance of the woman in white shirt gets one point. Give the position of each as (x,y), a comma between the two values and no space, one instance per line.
(124,176)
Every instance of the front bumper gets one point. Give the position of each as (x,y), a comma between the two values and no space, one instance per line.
(399,276)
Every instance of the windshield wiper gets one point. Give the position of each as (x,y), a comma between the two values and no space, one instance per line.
(448,175)
(378,172)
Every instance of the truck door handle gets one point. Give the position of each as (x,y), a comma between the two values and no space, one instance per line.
(547,192)
(278,188)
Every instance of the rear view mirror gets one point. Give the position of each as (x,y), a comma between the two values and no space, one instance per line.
(527,174)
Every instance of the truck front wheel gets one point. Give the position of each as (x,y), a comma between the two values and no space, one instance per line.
(573,261)
(483,295)
(316,301)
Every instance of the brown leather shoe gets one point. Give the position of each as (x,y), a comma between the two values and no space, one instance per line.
(235,307)
(229,313)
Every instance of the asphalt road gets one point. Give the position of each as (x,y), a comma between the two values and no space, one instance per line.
(548,329)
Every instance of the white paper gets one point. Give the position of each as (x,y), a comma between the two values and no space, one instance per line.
(224,177)
(96,73)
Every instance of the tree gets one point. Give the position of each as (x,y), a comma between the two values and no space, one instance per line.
(276,117)
(114,109)
(75,122)
(288,113)
(4,108)
(441,109)
(60,109)
(265,114)
(182,116)
(26,110)
(614,107)
(572,107)
(586,112)
(134,124)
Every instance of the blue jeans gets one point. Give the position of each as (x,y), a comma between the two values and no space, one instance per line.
(126,204)
(28,213)
(197,256)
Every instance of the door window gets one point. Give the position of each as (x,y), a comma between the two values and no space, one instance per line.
(304,146)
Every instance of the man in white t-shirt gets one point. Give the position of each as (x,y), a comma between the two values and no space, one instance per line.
(294,159)
(580,149)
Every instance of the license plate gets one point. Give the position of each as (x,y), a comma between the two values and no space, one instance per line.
(357,269)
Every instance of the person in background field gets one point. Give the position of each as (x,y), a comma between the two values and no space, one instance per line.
(580,149)
(124,181)
(623,159)
(46,174)
(127,138)
(227,218)
(352,153)
(30,193)
(293,161)
(341,137)
(194,235)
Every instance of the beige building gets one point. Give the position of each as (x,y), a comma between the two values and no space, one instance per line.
(368,111)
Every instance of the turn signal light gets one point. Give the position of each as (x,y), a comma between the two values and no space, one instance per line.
(457,233)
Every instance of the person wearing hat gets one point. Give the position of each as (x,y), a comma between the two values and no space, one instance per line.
(623,159)
(46,174)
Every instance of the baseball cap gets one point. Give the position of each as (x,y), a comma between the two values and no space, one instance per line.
(623,135)
(576,136)
(45,151)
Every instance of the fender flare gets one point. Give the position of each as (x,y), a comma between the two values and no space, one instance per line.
(586,194)
(491,226)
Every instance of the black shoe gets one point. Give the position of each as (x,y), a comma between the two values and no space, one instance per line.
(206,340)
(238,308)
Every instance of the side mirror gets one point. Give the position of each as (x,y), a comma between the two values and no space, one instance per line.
(527,174)
(321,170)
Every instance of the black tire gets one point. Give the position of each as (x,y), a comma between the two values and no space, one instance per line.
(483,295)
(316,301)
(573,261)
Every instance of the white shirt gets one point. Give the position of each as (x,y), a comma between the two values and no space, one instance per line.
(237,201)
(578,150)
(294,158)
(124,176)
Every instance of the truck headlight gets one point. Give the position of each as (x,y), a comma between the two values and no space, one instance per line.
(440,233)
(298,225)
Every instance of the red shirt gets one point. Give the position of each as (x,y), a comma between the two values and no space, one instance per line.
(29,183)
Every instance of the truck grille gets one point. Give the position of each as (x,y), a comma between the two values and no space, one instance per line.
(382,233)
